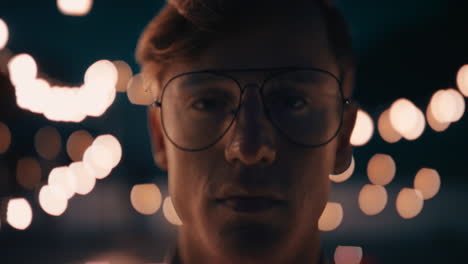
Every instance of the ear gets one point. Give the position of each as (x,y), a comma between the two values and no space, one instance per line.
(344,148)
(157,137)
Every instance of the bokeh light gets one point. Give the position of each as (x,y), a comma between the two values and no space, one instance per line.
(19,213)
(77,144)
(381,169)
(444,106)
(52,200)
(331,217)
(418,127)
(98,160)
(363,129)
(462,80)
(386,130)
(170,213)
(403,116)
(459,103)
(146,198)
(85,180)
(48,142)
(372,199)
(5,138)
(427,181)
(62,178)
(344,175)
(22,69)
(112,144)
(125,74)
(4,34)
(137,91)
(348,255)
(409,203)
(74,7)
(28,173)
(433,123)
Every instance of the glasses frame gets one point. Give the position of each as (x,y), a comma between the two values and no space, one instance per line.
(273,72)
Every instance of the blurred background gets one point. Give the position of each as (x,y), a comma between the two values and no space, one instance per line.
(405,49)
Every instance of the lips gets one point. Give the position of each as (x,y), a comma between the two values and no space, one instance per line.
(250,204)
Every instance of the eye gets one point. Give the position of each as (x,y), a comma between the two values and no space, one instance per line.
(209,104)
(294,102)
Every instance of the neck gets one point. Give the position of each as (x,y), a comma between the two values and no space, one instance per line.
(191,250)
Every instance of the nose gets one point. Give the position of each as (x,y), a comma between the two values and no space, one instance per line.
(251,139)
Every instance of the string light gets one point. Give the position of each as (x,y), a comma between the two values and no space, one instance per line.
(403,116)
(125,74)
(372,199)
(146,198)
(348,255)
(53,200)
(386,130)
(28,173)
(427,181)
(19,213)
(74,7)
(98,160)
(381,169)
(331,217)
(77,143)
(462,80)
(48,142)
(5,138)
(409,203)
(85,180)
(433,123)
(137,91)
(3,34)
(170,213)
(112,145)
(62,178)
(363,129)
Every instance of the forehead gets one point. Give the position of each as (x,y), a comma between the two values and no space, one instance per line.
(273,42)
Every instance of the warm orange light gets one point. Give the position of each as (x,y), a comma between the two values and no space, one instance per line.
(418,128)
(381,169)
(112,144)
(444,106)
(85,180)
(19,213)
(74,7)
(427,181)
(77,143)
(348,255)
(331,217)
(3,34)
(433,123)
(28,173)
(386,130)
(372,199)
(138,92)
(22,69)
(98,160)
(48,142)
(403,116)
(344,175)
(53,200)
(125,74)
(64,180)
(170,213)
(459,102)
(146,198)
(363,129)
(462,80)
(5,138)
(409,203)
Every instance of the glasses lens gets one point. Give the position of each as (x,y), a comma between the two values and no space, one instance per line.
(306,105)
(198,109)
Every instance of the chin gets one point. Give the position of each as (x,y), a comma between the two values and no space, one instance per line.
(249,240)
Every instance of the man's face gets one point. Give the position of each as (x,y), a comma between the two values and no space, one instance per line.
(253,159)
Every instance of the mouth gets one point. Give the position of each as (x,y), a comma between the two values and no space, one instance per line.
(250,205)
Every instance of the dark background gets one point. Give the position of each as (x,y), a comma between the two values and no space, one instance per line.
(405,49)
